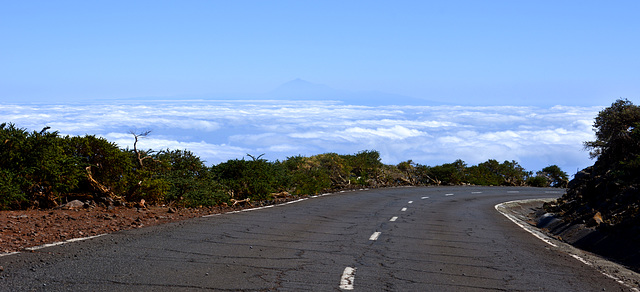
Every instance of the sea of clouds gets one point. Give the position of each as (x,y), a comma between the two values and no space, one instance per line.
(221,130)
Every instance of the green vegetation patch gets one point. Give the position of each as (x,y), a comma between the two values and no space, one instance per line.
(43,170)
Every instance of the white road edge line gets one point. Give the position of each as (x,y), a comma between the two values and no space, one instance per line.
(281,204)
(502,209)
(536,233)
(62,242)
(346,281)
(375,235)
(394,218)
(9,253)
(205,216)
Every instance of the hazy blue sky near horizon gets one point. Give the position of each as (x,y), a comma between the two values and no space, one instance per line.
(463,52)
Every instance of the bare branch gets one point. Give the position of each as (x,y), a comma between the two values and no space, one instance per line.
(135,147)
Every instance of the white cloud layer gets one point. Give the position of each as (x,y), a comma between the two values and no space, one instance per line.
(222,130)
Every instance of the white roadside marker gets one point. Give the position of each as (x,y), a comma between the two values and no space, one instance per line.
(394,218)
(410,202)
(346,281)
(375,235)
(403,209)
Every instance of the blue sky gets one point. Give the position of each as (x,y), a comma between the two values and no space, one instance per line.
(539,53)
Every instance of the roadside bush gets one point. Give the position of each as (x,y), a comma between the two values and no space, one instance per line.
(305,177)
(42,169)
(364,165)
(255,178)
(448,173)
(102,161)
(538,181)
(11,195)
(46,173)
(190,182)
(332,166)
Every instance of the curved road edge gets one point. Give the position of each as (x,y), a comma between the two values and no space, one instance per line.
(518,211)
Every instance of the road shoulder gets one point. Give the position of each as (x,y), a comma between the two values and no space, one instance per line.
(528,215)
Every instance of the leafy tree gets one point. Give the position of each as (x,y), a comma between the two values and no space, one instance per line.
(611,185)
(538,181)
(556,177)
(409,169)
(449,173)
(425,176)
(513,173)
(493,173)
(616,130)
(488,173)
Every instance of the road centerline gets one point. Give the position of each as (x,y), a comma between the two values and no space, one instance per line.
(346,281)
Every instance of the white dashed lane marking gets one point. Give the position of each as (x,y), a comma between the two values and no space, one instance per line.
(403,209)
(393,219)
(346,281)
(375,235)
(446,195)
(424,198)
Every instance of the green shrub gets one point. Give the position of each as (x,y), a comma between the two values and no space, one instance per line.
(449,173)
(108,164)
(305,176)
(538,181)
(256,178)
(11,195)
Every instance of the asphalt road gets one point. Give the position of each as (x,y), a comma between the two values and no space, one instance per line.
(400,239)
